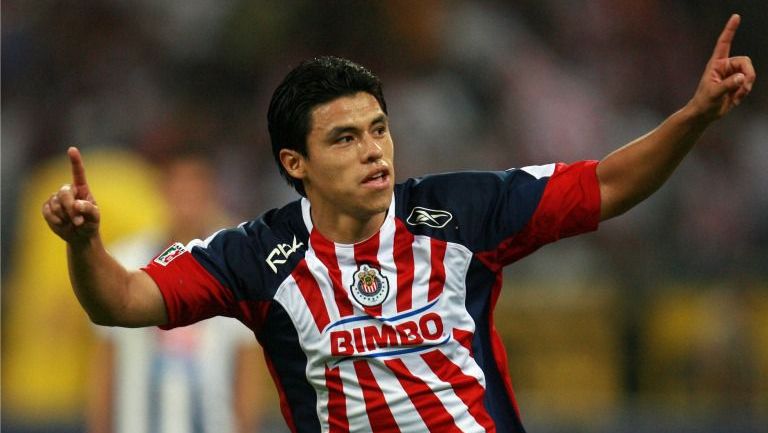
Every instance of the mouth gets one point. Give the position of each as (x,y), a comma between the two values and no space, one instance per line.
(377,179)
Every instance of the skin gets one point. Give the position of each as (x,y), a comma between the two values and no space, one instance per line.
(630,174)
(348,142)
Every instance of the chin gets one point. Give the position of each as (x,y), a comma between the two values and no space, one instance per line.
(379,204)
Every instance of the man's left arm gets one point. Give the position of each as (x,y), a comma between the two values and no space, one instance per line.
(632,173)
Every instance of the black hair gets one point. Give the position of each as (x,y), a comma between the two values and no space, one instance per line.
(312,83)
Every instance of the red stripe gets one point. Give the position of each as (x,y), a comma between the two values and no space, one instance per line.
(466,387)
(366,253)
(403,255)
(337,405)
(326,252)
(464,338)
(432,411)
(437,273)
(254,313)
(310,290)
(376,407)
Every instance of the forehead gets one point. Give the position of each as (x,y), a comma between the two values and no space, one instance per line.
(358,109)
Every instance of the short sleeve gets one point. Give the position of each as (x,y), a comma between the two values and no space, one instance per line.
(565,199)
(193,281)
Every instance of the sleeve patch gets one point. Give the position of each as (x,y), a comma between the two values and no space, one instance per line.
(170,254)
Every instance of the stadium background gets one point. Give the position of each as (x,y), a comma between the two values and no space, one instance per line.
(657,322)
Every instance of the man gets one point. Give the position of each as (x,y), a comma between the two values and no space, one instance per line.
(373,301)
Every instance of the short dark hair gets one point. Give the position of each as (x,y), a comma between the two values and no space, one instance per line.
(312,83)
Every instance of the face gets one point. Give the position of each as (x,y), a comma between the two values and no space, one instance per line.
(189,185)
(348,167)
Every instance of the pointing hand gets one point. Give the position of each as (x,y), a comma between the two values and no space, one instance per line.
(72,212)
(726,80)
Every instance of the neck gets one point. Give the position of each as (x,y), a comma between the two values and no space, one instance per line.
(344,228)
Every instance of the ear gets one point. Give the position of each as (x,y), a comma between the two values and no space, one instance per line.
(293,163)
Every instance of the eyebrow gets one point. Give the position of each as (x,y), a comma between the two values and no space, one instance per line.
(342,129)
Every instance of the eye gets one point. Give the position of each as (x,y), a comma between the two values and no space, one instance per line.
(380,130)
(345,139)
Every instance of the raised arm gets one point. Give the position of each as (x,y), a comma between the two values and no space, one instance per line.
(109,293)
(632,173)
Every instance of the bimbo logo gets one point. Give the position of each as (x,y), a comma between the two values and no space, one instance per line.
(408,332)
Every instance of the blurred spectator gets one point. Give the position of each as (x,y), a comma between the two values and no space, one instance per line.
(203,378)
(46,336)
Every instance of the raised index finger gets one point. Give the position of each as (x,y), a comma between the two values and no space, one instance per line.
(78,169)
(723,46)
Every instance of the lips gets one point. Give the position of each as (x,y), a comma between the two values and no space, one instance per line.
(377,178)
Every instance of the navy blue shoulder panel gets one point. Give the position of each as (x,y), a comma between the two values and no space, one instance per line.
(477,209)
(254,258)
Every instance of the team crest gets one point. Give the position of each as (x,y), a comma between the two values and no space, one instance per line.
(369,287)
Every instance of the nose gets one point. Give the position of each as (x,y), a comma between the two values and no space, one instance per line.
(371,149)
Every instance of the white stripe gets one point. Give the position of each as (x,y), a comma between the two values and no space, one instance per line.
(345,257)
(306,215)
(356,413)
(388,267)
(401,406)
(312,342)
(452,303)
(421,270)
(539,171)
(443,390)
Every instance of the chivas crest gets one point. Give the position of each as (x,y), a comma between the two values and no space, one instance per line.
(369,287)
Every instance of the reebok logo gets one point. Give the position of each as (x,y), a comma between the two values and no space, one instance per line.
(281,252)
(429,217)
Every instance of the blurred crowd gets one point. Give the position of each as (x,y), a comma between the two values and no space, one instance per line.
(469,85)
(481,85)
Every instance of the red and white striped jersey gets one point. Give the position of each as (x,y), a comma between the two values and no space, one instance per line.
(394,333)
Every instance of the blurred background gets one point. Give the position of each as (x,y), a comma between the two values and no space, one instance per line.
(657,322)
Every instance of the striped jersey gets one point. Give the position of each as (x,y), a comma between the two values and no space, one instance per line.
(395,333)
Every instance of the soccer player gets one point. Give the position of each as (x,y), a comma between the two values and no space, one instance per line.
(373,301)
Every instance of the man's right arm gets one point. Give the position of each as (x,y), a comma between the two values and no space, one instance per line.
(109,293)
